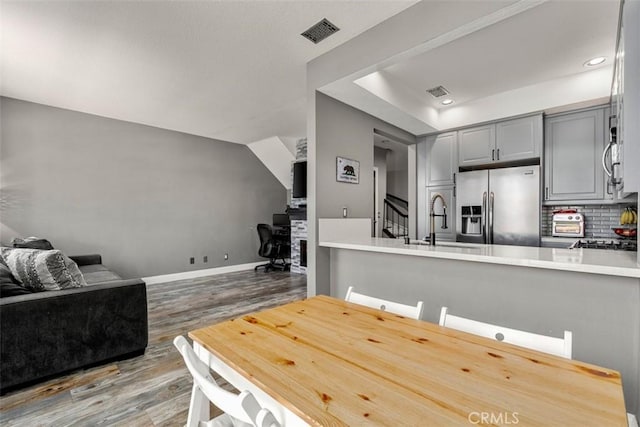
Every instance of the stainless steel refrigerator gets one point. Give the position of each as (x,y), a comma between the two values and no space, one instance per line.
(500,206)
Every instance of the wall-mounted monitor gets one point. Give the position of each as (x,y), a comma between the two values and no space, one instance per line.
(299,180)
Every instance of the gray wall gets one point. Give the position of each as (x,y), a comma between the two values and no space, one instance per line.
(603,312)
(398,173)
(344,131)
(145,198)
(341,130)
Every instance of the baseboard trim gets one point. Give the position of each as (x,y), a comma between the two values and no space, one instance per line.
(152,280)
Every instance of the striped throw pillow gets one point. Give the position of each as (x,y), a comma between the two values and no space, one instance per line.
(40,270)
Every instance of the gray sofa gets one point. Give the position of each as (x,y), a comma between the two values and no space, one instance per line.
(44,334)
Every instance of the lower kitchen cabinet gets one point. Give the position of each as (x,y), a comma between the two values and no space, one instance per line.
(574,143)
(447,192)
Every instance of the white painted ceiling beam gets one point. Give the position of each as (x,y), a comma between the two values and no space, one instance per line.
(275,155)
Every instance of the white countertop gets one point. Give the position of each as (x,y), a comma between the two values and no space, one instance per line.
(597,261)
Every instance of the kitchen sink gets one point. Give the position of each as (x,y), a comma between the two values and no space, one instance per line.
(444,244)
(419,242)
(457,245)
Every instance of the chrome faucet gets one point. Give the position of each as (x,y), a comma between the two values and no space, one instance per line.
(432,217)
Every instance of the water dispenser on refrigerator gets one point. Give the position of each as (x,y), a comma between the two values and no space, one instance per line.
(471,220)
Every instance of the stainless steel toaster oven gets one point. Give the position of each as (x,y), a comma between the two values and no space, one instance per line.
(568,224)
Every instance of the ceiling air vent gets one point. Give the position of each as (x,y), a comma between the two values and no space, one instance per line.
(438,91)
(320,31)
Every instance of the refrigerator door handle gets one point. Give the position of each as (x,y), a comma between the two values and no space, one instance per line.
(485,216)
(490,236)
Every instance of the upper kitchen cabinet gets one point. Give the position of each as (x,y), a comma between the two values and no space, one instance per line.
(441,159)
(519,139)
(573,151)
(504,141)
(476,146)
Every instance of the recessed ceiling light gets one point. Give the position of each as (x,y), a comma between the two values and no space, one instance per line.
(447,102)
(595,61)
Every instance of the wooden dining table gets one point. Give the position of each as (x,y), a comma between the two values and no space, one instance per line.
(326,362)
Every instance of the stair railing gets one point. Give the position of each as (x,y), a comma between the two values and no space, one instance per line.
(394,221)
(398,201)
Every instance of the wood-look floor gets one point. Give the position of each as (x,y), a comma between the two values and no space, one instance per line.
(154,389)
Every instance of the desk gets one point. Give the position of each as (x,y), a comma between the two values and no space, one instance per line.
(282,233)
(330,362)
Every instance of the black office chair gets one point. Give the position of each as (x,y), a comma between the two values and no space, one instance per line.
(274,249)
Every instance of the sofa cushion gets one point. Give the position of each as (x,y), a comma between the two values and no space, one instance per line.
(32,243)
(40,270)
(8,289)
(5,273)
(98,273)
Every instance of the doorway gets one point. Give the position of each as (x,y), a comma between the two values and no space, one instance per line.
(390,186)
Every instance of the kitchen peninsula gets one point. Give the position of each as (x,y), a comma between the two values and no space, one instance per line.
(612,263)
(593,293)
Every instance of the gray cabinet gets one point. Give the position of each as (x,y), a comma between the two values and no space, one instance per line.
(436,168)
(573,153)
(441,159)
(629,95)
(448,193)
(476,146)
(504,141)
(519,139)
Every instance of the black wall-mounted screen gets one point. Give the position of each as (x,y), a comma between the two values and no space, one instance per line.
(299,180)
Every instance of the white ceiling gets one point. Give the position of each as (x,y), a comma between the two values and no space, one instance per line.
(547,42)
(230,70)
(235,70)
(527,59)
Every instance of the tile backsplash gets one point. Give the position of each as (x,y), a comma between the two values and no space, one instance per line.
(301,149)
(598,219)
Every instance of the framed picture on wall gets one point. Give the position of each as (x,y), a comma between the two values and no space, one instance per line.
(347,170)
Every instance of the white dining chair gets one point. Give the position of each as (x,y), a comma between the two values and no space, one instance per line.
(557,346)
(384,305)
(240,410)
